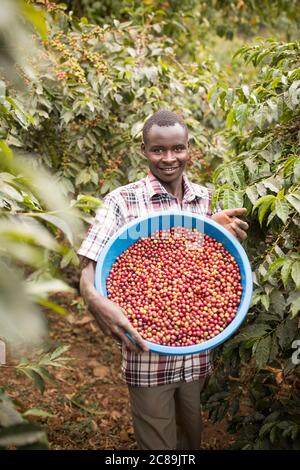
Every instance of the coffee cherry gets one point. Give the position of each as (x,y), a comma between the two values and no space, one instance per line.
(178,287)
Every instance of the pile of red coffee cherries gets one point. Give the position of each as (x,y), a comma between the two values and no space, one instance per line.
(178,287)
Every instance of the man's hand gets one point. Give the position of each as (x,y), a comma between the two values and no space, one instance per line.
(113,321)
(229,220)
(109,316)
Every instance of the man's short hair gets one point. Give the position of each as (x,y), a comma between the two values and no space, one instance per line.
(162,118)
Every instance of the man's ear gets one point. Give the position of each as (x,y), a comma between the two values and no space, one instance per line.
(189,151)
(143,148)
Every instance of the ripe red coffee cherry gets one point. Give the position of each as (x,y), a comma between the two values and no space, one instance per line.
(178,287)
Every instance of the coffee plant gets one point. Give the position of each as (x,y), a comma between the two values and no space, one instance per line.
(94,88)
(71,115)
(38,229)
(262,172)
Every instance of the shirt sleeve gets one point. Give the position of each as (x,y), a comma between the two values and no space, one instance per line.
(107,221)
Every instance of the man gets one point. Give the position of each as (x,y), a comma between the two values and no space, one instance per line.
(164,391)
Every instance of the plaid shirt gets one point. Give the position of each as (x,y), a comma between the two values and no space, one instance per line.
(121,206)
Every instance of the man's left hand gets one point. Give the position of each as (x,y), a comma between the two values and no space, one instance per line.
(229,219)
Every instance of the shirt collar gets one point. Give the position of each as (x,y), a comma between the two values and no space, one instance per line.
(190,191)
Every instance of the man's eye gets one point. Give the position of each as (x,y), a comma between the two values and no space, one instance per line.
(179,149)
(157,150)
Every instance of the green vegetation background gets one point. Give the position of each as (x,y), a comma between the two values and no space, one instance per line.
(75,90)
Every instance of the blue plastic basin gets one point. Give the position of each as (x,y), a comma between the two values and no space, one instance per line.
(144,227)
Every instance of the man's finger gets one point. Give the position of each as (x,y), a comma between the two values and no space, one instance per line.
(103,327)
(138,339)
(118,334)
(241,223)
(240,234)
(130,345)
(134,334)
(128,328)
(238,211)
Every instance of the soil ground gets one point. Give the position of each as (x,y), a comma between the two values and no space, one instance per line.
(88,400)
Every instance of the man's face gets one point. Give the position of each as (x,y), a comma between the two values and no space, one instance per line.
(167,151)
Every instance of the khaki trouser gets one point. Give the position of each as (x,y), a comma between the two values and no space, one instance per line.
(167,417)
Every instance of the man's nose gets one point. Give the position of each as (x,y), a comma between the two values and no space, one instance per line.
(169,156)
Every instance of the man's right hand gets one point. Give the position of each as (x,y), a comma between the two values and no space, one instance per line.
(110,317)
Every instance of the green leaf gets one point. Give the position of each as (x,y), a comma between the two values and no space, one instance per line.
(42,371)
(252,332)
(11,192)
(294,200)
(58,352)
(36,17)
(295,307)
(260,117)
(261,189)
(70,257)
(286,332)
(57,222)
(21,434)
(8,414)
(270,198)
(271,217)
(265,300)
(84,200)
(255,298)
(27,233)
(262,352)
(67,116)
(282,209)
(273,184)
(264,207)
(215,197)
(266,428)
(6,156)
(274,266)
(252,194)
(289,165)
(218,173)
(35,377)
(294,94)
(274,351)
(278,303)
(105,187)
(241,114)
(53,306)
(136,129)
(83,177)
(296,273)
(234,174)
(297,170)
(38,412)
(273,434)
(232,199)
(230,118)
(41,288)
(285,272)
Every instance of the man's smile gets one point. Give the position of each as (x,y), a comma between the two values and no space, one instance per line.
(169,169)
